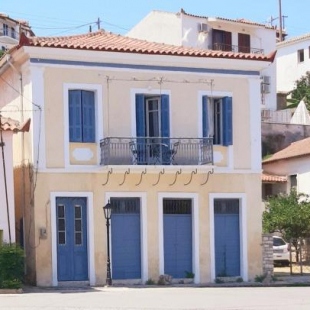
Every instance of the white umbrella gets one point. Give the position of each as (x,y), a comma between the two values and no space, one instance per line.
(301,115)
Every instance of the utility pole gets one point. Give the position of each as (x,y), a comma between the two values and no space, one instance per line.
(98,23)
(280,20)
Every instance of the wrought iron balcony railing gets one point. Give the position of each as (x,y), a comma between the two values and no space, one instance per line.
(235,48)
(156,151)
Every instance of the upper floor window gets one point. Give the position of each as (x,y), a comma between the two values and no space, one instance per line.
(301,55)
(244,43)
(82,125)
(5,30)
(221,40)
(217,119)
(13,33)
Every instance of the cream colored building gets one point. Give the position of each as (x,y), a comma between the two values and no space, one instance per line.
(169,135)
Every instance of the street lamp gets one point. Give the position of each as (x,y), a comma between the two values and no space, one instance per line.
(107,210)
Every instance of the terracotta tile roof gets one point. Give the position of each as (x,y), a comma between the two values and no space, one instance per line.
(296,149)
(269,178)
(109,42)
(240,20)
(8,124)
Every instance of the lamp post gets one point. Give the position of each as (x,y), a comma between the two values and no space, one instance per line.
(107,210)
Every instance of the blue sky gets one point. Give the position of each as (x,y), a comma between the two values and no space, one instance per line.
(53,18)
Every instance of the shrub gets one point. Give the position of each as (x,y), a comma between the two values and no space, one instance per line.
(11,266)
(150,282)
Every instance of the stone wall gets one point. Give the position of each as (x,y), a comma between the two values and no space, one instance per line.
(267,244)
(276,137)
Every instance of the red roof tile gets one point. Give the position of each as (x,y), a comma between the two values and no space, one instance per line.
(296,149)
(8,124)
(109,42)
(268,178)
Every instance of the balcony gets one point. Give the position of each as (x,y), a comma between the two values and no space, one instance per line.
(235,48)
(156,151)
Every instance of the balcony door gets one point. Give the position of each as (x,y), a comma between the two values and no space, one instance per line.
(221,40)
(152,127)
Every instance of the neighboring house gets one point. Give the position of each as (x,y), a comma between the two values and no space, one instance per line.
(7,211)
(290,168)
(292,62)
(217,34)
(10,30)
(170,135)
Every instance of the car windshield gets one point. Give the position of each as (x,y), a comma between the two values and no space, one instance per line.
(278,242)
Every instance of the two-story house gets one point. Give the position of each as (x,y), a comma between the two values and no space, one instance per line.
(10,30)
(217,34)
(170,135)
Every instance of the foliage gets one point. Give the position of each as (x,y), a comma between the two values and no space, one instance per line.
(259,278)
(239,280)
(11,266)
(288,214)
(189,275)
(301,91)
(150,282)
(1,53)
(219,280)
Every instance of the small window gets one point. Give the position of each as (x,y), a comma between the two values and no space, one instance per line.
(5,30)
(217,119)
(13,33)
(82,116)
(301,56)
(293,181)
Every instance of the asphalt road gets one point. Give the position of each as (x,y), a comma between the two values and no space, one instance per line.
(168,298)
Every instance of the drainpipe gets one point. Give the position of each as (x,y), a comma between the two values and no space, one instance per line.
(5,183)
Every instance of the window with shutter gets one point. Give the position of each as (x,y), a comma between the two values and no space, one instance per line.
(217,119)
(82,125)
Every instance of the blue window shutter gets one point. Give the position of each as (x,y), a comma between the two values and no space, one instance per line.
(227,121)
(165,124)
(205,124)
(88,109)
(140,115)
(75,117)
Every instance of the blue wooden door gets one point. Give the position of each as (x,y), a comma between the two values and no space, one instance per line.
(177,237)
(227,237)
(72,256)
(126,238)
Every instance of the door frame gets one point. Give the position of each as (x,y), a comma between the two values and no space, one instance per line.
(242,227)
(90,233)
(195,230)
(143,228)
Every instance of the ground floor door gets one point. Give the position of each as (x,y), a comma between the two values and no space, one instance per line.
(72,255)
(227,237)
(178,237)
(126,238)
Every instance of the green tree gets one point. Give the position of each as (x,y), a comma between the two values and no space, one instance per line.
(301,91)
(288,214)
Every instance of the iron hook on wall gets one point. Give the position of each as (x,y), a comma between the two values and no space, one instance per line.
(192,173)
(108,176)
(142,173)
(159,174)
(208,175)
(176,176)
(125,174)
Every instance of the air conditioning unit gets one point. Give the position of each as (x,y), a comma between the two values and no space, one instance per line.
(202,27)
(265,84)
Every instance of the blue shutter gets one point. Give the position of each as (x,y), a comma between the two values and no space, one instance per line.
(165,124)
(75,117)
(227,121)
(205,124)
(140,115)
(88,109)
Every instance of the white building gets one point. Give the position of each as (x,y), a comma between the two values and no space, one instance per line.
(10,30)
(214,33)
(292,62)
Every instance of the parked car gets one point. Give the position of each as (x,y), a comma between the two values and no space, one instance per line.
(281,251)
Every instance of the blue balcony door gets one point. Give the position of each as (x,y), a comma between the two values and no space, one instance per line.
(152,127)
(227,237)
(72,255)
